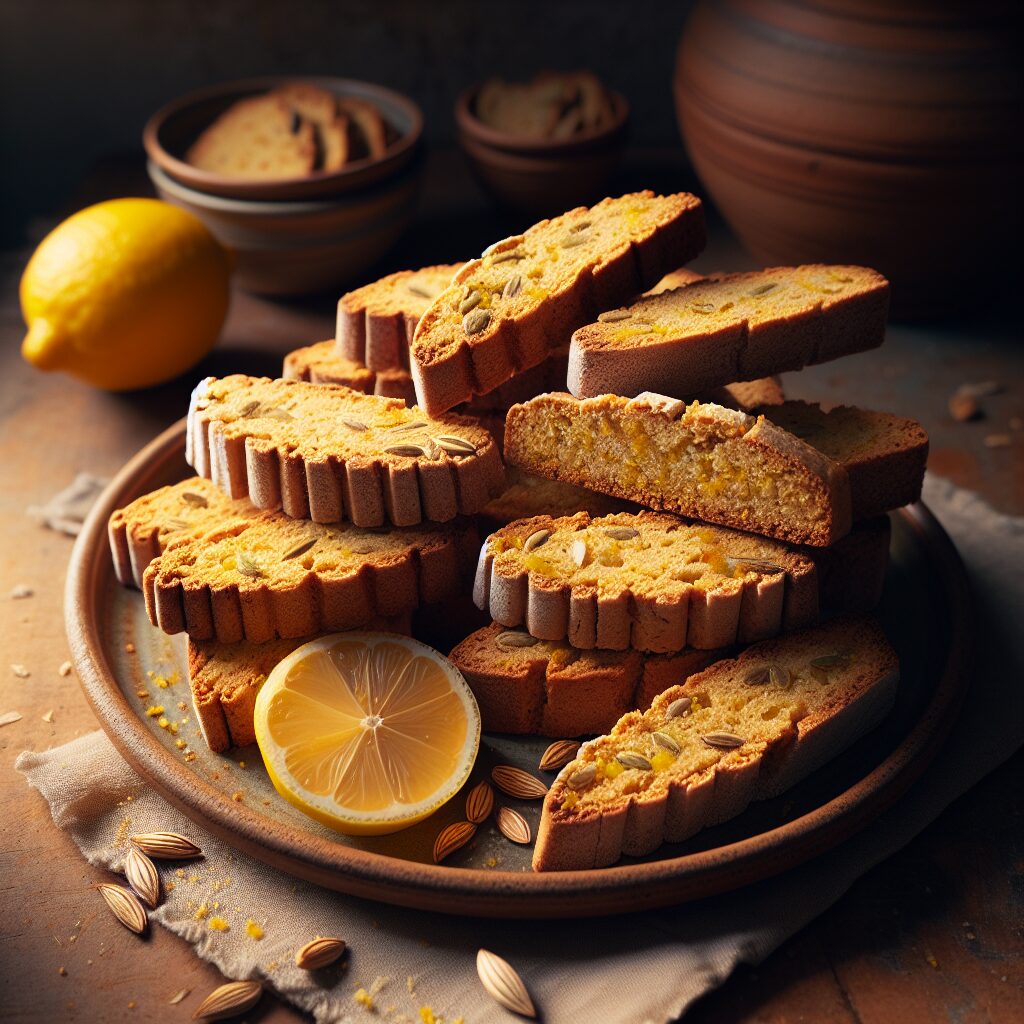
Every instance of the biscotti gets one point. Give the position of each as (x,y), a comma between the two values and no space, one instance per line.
(742,730)
(225,679)
(729,327)
(526,496)
(883,455)
(140,531)
(547,688)
(506,311)
(266,576)
(261,137)
(643,580)
(321,364)
(331,126)
(376,322)
(747,395)
(327,453)
(705,461)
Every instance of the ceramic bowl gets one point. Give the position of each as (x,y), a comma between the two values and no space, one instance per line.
(169,133)
(542,175)
(299,247)
(859,133)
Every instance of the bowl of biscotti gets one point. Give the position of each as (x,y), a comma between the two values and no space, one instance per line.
(306,180)
(532,570)
(545,144)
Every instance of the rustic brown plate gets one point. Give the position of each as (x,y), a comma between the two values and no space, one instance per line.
(926,613)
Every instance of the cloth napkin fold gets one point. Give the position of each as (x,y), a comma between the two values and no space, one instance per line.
(641,969)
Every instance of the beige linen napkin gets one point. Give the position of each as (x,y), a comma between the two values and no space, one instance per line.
(632,970)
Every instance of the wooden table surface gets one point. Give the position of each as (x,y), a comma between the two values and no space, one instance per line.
(936,933)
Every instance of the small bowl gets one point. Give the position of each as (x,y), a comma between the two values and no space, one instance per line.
(300,247)
(542,175)
(172,129)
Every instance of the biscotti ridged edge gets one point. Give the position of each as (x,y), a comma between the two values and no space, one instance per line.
(685,366)
(540,703)
(379,341)
(257,613)
(519,343)
(367,492)
(731,612)
(721,792)
(313,363)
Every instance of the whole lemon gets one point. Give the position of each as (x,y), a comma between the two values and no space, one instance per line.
(124,294)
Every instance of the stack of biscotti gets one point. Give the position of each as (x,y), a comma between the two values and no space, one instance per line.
(509,310)
(370,349)
(318,508)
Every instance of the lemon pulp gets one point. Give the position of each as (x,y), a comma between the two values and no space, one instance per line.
(369,733)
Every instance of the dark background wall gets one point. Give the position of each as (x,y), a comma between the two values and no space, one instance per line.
(78,78)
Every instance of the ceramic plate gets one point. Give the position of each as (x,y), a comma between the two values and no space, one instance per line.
(925,611)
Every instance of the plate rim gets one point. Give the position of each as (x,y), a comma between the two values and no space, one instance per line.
(472,891)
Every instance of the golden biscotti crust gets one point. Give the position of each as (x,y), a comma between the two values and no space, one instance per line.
(645,580)
(744,729)
(140,531)
(884,455)
(327,453)
(321,364)
(376,322)
(715,464)
(729,327)
(225,679)
(506,311)
(267,576)
(528,686)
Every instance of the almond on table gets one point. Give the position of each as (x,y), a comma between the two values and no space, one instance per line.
(729,327)
(742,730)
(506,311)
(327,453)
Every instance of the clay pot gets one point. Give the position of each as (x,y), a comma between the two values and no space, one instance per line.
(880,132)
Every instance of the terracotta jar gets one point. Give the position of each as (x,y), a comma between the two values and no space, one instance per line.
(881,132)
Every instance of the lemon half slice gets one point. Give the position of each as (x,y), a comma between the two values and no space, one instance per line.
(367,732)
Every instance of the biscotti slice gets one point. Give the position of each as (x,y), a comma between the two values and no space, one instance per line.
(548,375)
(675,279)
(747,395)
(643,580)
(261,137)
(140,531)
(705,461)
(368,135)
(321,364)
(225,679)
(729,327)
(320,106)
(327,453)
(266,576)
(376,322)
(547,688)
(883,455)
(526,496)
(506,311)
(742,730)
